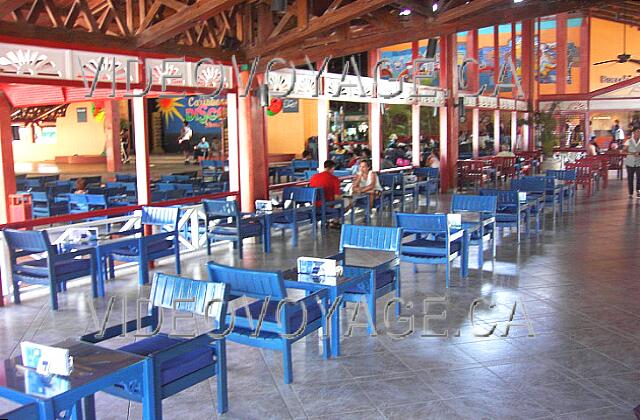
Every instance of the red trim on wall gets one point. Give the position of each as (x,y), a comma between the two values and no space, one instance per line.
(561,51)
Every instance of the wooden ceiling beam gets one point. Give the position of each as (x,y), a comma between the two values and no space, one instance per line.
(330,19)
(8,6)
(188,17)
(417,6)
(80,39)
(475,6)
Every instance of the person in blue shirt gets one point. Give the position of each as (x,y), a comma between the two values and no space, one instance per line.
(201,149)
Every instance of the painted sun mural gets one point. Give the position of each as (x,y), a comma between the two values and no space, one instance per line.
(168,108)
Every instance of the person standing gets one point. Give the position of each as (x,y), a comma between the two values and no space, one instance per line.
(632,162)
(184,141)
(124,144)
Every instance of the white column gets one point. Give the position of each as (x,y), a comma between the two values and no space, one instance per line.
(525,133)
(475,131)
(376,134)
(514,130)
(415,135)
(496,131)
(232,126)
(139,105)
(323,132)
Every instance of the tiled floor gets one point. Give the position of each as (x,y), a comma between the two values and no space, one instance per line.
(577,284)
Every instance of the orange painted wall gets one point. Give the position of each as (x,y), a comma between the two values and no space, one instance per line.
(72,138)
(287,133)
(606,44)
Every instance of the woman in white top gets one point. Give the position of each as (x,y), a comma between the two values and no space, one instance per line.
(367,182)
(632,161)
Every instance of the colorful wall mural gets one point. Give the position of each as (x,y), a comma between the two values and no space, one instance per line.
(206,117)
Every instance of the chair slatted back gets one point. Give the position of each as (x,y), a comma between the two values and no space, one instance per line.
(422,223)
(78,203)
(188,295)
(474,203)
(33,241)
(562,175)
(220,208)
(373,238)
(584,171)
(160,216)
(504,197)
(252,283)
(427,173)
(301,195)
(530,184)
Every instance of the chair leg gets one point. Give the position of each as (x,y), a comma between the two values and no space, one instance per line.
(287,364)
(208,246)
(53,289)
(447,274)
(240,248)
(16,293)
(221,377)
(151,392)
(398,291)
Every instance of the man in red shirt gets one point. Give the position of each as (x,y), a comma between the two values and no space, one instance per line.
(329,183)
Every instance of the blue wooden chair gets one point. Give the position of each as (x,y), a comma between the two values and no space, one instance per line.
(309,173)
(394,183)
(373,238)
(486,207)
(25,412)
(54,270)
(510,211)
(534,187)
(330,210)
(175,364)
(44,205)
(552,192)
(158,195)
(568,180)
(121,177)
(428,183)
(77,204)
(154,246)
(301,212)
(235,226)
(433,241)
(283,321)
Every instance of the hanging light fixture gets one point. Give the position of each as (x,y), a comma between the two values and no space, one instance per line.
(263,95)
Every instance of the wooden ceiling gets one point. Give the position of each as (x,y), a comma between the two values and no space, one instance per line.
(627,11)
(315,28)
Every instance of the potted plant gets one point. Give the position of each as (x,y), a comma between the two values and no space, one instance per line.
(545,124)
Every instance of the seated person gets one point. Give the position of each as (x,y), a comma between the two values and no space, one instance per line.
(592,149)
(367,182)
(201,149)
(505,151)
(432,160)
(329,183)
(81,186)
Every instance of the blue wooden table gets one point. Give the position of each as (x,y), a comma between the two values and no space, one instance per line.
(94,369)
(335,286)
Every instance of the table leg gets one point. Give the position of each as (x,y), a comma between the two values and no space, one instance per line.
(465,255)
(335,329)
(89,404)
(100,275)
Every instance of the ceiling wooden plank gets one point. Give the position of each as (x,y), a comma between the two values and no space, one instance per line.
(151,14)
(80,39)
(475,6)
(188,17)
(8,6)
(282,24)
(302,13)
(417,6)
(318,24)
(128,12)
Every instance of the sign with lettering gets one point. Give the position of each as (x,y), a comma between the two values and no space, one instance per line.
(290,105)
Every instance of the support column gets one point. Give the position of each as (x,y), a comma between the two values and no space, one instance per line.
(112,135)
(234,156)
(415,135)
(514,130)
(525,133)
(376,134)
(475,132)
(323,132)
(496,131)
(449,74)
(8,183)
(253,151)
(141,142)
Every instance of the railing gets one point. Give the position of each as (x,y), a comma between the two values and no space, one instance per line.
(122,218)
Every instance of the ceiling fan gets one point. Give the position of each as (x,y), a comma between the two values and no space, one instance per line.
(622,58)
